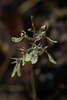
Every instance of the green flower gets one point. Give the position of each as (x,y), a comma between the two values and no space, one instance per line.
(32,57)
(16,69)
(15,39)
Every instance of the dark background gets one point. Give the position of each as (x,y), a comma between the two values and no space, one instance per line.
(50,79)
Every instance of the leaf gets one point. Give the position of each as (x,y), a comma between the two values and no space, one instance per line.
(50,41)
(15,39)
(51,59)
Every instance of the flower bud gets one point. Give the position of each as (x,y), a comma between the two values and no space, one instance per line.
(30,30)
(44,27)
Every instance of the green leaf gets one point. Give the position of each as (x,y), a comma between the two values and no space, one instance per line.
(50,41)
(15,39)
(51,59)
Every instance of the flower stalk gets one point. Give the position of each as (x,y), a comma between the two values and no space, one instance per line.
(32,81)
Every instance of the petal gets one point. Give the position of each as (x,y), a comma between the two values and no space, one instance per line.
(15,39)
(23,61)
(34,59)
(50,41)
(51,59)
(18,70)
(28,57)
(14,71)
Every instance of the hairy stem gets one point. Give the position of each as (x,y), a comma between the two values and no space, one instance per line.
(33,82)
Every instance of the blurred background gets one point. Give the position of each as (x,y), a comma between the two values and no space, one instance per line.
(50,79)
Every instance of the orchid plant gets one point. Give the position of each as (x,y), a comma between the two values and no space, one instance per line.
(31,55)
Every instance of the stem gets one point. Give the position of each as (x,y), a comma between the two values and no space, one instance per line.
(33,33)
(32,82)
(32,20)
